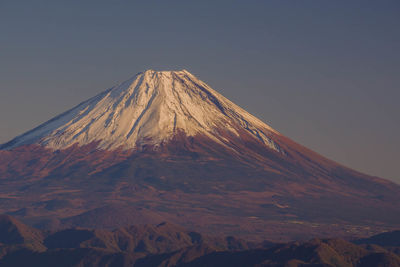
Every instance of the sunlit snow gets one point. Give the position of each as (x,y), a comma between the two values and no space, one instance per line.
(149,108)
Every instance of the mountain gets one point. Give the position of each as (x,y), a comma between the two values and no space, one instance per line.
(165,146)
(149,109)
(170,245)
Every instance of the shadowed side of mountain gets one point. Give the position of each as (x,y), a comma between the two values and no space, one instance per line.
(95,247)
(324,253)
(88,257)
(167,237)
(13,232)
(145,239)
(81,238)
(387,239)
(312,253)
(176,258)
(113,216)
(167,245)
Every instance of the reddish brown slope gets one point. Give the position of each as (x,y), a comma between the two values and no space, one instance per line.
(196,182)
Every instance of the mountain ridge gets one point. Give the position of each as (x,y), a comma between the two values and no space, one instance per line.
(166,244)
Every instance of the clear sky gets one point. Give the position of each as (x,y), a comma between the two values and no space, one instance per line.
(324,73)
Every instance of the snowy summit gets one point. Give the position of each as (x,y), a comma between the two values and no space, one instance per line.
(149,108)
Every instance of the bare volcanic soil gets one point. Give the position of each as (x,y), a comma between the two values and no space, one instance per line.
(258,195)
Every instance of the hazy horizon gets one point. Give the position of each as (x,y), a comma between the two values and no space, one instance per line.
(325,74)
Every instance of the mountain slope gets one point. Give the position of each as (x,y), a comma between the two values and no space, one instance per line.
(149,108)
(165,146)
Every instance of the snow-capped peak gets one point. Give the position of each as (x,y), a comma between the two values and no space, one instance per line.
(149,108)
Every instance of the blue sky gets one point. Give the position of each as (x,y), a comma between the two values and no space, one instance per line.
(324,73)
